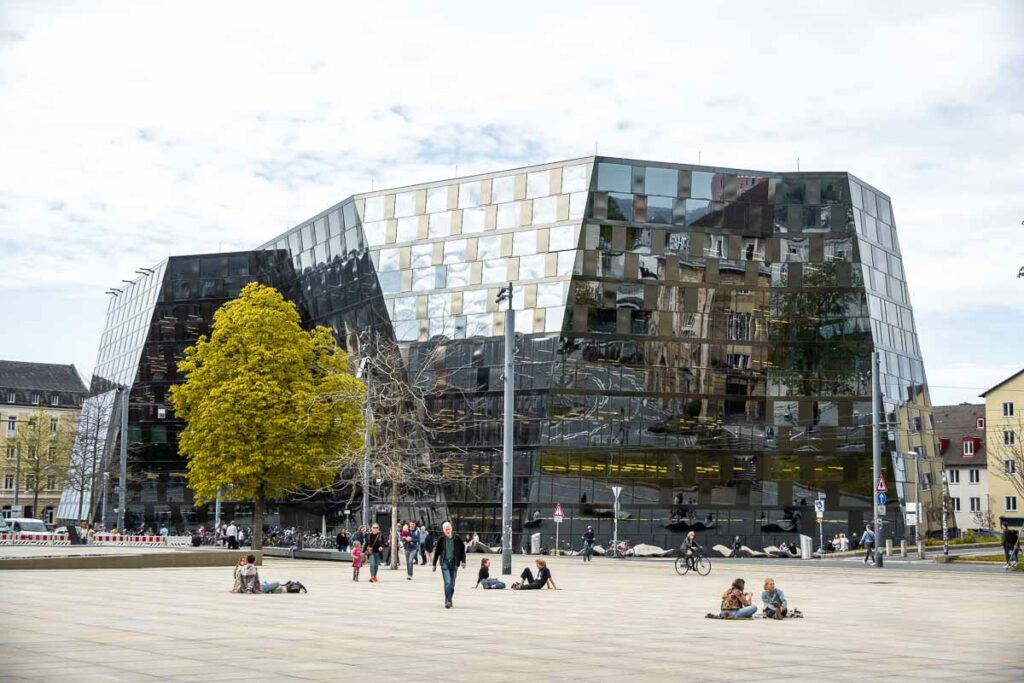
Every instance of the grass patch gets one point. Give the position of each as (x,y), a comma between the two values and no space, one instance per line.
(994,559)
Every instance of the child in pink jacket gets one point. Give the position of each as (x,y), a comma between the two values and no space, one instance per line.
(357,560)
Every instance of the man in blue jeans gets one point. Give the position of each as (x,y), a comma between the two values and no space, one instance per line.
(451,553)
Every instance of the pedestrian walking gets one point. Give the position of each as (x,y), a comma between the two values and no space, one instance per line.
(342,540)
(421,533)
(428,545)
(357,559)
(410,543)
(373,548)
(232,535)
(867,541)
(1008,541)
(450,552)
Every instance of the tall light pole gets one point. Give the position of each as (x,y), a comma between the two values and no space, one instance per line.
(917,494)
(616,491)
(122,493)
(876,450)
(367,437)
(945,525)
(506,452)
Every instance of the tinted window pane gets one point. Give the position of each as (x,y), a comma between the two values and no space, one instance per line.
(663,181)
(620,207)
(700,184)
(659,209)
(614,178)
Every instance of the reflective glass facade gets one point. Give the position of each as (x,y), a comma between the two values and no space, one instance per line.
(699,336)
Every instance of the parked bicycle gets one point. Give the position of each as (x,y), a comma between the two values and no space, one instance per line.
(619,550)
(698,562)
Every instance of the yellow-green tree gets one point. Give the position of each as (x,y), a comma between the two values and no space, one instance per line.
(258,424)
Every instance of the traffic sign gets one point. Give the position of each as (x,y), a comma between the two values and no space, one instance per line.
(880,511)
(821,495)
(880,499)
(559,515)
(881,488)
(911,517)
(819,506)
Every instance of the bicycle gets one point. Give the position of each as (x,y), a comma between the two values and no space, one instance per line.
(699,560)
(588,551)
(617,551)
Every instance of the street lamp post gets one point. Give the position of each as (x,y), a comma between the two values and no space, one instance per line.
(945,526)
(122,493)
(616,491)
(506,452)
(367,438)
(876,450)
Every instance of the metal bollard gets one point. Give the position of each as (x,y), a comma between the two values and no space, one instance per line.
(920,550)
(888,547)
(903,549)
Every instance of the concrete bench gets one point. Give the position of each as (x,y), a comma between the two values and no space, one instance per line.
(309,554)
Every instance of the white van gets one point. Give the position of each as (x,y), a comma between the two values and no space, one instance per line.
(25,525)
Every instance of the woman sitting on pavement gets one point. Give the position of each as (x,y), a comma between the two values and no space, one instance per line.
(484,577)
(775,605)
(529,583)
(736,602)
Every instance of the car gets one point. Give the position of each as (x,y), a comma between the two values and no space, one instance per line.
(4,528)
(26,525)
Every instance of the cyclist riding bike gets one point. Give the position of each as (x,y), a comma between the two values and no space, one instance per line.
(588,544)
(690,549)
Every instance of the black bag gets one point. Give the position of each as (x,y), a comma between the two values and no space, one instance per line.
(294,587)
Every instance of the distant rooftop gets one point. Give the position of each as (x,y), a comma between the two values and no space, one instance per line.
(40,376)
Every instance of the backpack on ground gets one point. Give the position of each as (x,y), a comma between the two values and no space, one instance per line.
(294,587)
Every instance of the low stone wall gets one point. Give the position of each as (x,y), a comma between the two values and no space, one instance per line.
(185,558)
(310,554)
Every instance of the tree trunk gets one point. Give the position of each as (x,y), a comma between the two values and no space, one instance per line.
(35,503)
(257,521)
(394,525)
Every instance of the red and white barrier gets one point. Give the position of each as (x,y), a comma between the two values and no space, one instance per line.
(29,538)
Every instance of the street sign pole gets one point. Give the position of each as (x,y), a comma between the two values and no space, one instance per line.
(558,517)
(945,525)
(819,512)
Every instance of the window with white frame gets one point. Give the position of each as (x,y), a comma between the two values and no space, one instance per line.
(35,400)
(1008,409)
(12,425)
(953,475)
(8,482)
(968,446)
(55,400)
(11,452)
(53,426)
(926,481)
(1009,467)
(1011,503)
(1009,437)
(981,423)
(975,504)
(51,483)
(974,475)
(955,502)
(11,396)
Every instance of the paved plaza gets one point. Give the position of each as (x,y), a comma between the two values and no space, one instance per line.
(613,620)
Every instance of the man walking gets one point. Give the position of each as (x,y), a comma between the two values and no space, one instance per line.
(373,549)
(450,551)
(232,534)
(868,542)
(422,533)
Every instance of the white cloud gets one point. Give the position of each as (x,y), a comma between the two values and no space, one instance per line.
(130,132)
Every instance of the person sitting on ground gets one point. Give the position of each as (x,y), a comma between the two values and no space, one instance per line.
(531,583)
(484,577)
(690,548)
(736,602)
(775,605)
(239,584)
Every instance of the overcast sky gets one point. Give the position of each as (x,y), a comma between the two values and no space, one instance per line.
(134,131)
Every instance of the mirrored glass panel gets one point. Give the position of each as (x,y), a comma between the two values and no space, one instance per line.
(422,255)
(538,184)
(574,178)
(508,215)
(524,243)
(488,247)
(473,220)
(405,204)
(474,301)
(408,229)
(373,210)
(700,185)
(469,194)
(503,189)
(532,267)
(437,199)
(495,271)
(376,233)
(455,251)
(545,210)
(389,259)
(458,275)
(661,181)
(561,237)
(440,224)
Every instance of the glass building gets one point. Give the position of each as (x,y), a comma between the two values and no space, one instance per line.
(699,336)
